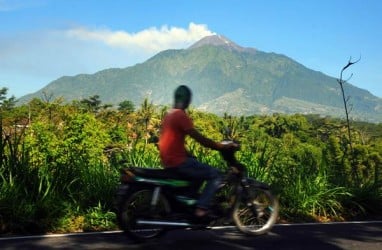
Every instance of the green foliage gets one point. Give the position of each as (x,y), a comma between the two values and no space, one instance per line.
(126,106)
(98,220)
(312,195)
(365,201)
(70,221)
(60,163)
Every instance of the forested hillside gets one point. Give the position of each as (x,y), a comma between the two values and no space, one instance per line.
(60,161)
(225,78)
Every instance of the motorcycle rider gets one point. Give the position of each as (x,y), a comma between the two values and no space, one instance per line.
(176,125)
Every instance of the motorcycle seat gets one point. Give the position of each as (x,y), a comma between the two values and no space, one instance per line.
(156,173)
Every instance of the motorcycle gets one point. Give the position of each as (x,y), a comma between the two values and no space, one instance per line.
(150,201)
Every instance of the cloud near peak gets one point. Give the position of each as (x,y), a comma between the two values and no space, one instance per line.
(150,40)
(83,50)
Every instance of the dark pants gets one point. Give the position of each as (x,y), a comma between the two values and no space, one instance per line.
(199,172)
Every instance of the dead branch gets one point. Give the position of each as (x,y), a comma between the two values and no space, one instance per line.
(347,111)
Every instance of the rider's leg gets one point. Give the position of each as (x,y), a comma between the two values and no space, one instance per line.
(198,171)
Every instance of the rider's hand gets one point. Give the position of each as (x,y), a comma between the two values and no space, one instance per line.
(228,146)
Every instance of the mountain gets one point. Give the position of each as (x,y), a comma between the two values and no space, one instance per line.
(219,40)
(225,78)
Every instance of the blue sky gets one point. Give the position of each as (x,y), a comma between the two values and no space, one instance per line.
(42,40)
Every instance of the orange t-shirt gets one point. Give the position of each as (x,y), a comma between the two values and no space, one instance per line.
(172,149)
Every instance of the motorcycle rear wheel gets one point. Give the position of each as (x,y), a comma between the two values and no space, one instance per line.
(137,207)
(257,212)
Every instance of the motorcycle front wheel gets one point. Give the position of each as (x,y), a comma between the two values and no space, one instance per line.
(255,213)
(138,207)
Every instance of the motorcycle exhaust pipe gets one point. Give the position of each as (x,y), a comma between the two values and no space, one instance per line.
(163,223)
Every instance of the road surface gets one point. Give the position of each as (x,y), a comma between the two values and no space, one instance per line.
(356,235)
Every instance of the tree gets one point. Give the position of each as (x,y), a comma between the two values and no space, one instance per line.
(126,107)
(6,103)
(146,116)
(93,104)
(346,101)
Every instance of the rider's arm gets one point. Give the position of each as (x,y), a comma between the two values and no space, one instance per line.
(196,135)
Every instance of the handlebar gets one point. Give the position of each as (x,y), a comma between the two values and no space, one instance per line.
(229,153)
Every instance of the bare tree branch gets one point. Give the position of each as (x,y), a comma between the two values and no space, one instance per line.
(350,63)
(347,111)
(347,66)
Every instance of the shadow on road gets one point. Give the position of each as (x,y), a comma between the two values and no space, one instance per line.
(324,236)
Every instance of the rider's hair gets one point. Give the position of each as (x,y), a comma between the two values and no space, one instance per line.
(182,95)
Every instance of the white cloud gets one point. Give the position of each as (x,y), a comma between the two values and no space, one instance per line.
(33,59)
(150,40)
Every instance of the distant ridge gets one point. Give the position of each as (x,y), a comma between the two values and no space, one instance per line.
(225,78)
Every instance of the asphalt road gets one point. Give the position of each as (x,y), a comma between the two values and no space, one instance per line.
(360,235)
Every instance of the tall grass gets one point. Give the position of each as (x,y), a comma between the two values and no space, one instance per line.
(142,155)
(57,177)
(366,201)
(314,197)
(47,181)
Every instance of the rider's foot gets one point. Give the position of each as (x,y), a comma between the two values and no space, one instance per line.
(200,212)
(204,215)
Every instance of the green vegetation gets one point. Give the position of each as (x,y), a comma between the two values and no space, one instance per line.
(59,165)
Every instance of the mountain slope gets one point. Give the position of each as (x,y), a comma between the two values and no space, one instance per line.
(224,77)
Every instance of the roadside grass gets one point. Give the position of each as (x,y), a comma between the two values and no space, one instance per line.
(86,203)
(59,179)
